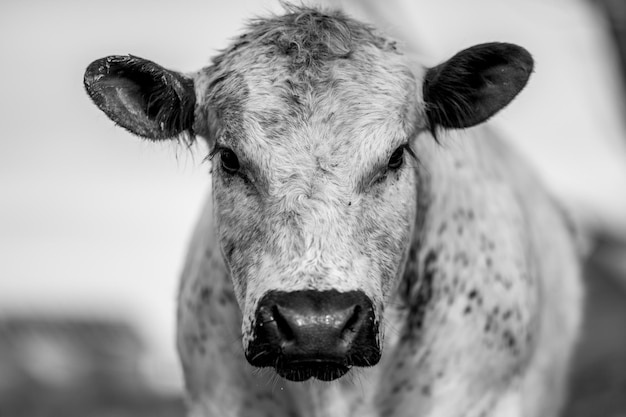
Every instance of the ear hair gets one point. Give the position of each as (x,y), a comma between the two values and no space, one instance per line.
(143,97)
(475,84)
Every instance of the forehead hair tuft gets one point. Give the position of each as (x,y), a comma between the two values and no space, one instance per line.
(310,36)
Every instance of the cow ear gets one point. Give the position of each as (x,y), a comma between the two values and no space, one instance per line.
(475,84)
(141,96)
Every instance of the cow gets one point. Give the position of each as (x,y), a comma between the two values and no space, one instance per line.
(370,247)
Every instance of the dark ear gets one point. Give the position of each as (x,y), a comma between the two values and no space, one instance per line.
(475,84)
(141,96)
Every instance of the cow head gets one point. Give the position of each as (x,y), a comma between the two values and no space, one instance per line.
(310,119)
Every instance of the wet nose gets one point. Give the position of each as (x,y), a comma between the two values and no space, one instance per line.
(321,334)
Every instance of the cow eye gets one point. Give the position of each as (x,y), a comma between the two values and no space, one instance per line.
(397,158)
(230,163)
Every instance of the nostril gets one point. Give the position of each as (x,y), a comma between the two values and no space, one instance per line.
(273,324)
(353,324)
(282,325)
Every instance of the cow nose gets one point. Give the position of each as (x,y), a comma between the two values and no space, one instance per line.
(320,334)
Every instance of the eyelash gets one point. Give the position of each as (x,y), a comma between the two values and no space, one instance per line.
(407,147)
(392,164)
(395,165)
(396,160)
(224,153)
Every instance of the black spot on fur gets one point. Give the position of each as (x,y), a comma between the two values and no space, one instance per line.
(509,339)
(205,293)
(417,306)
(227,297)
(227,94)
(229,250)
(475,296)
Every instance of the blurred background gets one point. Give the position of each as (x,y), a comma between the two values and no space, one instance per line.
(94,223)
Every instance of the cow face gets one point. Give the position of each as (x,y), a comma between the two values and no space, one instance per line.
(310,119)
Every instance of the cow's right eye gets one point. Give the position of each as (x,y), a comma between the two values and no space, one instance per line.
(396,159)
(230,163)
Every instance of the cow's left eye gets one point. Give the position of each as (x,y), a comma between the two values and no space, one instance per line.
(230,163)
(396,159)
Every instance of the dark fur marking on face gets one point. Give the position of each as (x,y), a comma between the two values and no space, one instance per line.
(417,306)
(227,95)
(229,250)
(411,277)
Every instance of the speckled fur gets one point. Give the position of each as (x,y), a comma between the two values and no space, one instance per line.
(299,216)
(470,265)
(482,320)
